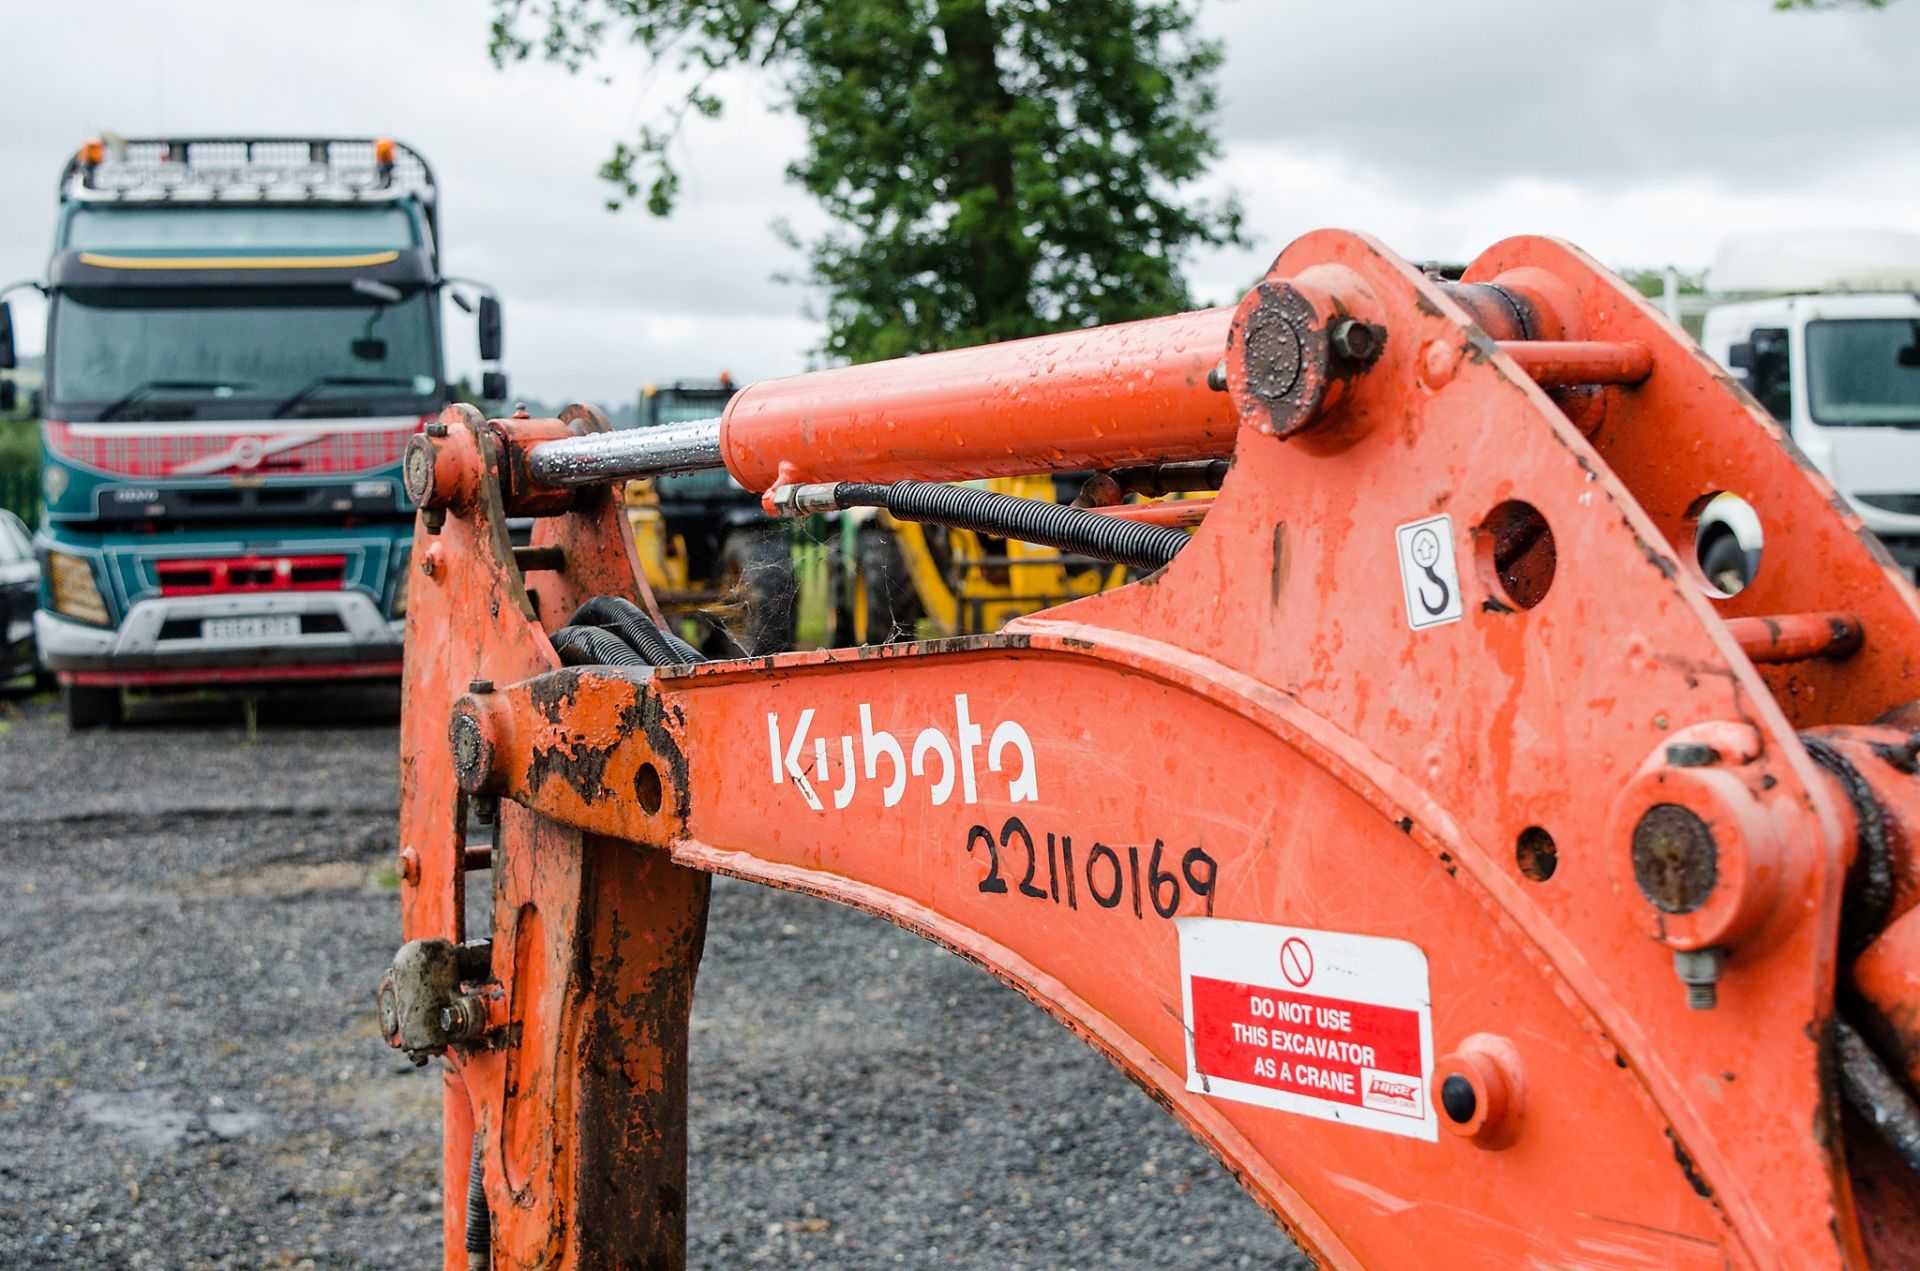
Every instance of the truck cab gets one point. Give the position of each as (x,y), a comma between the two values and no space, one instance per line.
(242,335)
(1824,330)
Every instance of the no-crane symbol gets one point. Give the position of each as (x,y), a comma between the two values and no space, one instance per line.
(1296,962)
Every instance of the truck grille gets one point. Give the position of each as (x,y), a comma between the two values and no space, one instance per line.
(231,574)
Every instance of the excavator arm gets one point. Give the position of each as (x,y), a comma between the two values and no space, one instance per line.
(1428,835)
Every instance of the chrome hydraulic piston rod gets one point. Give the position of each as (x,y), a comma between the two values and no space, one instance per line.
(1120,396)
(692,446)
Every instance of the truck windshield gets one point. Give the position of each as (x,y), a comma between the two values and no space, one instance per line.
(239,352)
(1864,371)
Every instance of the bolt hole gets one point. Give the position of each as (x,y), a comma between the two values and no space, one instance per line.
(1515,553)
(1535,854)
(646,787)
(1727,539)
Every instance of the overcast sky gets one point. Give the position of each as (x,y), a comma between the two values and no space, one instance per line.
(1643,129)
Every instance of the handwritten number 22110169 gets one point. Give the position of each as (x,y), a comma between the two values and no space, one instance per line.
(1108,878)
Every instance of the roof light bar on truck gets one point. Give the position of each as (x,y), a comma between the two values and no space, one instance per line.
(247,169)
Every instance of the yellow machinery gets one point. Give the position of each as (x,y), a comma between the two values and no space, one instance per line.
(901,574)
(721,570)
(904,579)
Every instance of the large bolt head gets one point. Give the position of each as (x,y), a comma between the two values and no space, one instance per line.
(472,750)
(416,470)
(1675,861)
(1273,354)
(1697,849)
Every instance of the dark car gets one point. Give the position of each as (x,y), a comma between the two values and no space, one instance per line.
(19,592)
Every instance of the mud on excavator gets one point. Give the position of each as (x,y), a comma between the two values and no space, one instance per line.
(1425,831)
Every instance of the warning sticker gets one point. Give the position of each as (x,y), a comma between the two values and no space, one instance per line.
(1428,573)
(1321,1023)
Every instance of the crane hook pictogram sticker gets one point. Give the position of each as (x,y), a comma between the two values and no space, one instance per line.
(1429,572)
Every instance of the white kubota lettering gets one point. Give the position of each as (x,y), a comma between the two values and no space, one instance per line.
(954,748)
(872,746)
(788,764)
(1026,786)
(932,739)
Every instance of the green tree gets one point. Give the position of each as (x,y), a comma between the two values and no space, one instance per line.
(993,168)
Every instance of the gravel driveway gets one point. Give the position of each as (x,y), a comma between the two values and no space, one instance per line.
(190,1073)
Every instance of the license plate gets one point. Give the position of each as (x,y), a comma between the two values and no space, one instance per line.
(246,630)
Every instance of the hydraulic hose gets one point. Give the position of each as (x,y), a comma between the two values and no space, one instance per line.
(631,623)
(479,1222)
(590,646)
(1876,1095)
(613,631)
(1070,529)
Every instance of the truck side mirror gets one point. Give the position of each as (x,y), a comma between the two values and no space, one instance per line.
(492,340)
(7,359)
(1909,354)
(9,397)
(1740,357)
(493,386)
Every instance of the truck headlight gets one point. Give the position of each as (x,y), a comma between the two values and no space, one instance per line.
(70,583)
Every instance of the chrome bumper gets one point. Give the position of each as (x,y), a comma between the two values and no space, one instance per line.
(164,633)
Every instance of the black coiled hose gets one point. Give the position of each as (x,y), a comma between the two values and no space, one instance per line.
(479,1222)
(613,631)
(1070,529)
(631,623)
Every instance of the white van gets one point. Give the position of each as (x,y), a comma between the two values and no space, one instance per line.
(1824,329)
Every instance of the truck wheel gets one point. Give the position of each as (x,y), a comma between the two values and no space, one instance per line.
(92,707)
(756,572)
(886,608)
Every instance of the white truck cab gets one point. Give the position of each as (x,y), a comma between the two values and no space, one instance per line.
(1824,330)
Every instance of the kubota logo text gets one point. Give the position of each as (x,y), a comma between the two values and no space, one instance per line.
(941,760)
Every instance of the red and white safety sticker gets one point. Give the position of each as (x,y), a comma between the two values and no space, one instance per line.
(1322,1023)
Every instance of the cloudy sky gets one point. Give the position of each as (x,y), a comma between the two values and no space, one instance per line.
(1643,129)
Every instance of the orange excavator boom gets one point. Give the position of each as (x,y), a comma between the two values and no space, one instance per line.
(1425,830)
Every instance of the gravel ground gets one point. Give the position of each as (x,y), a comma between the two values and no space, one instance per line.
(190,1073)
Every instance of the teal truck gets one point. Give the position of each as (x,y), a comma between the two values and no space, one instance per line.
(242,335)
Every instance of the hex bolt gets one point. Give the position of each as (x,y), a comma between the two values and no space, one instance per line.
(463,1019)
(436,429)
(435,519)
(1692,754)
(1353,339)
(1217,377)
(479,687)
(1699,970)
